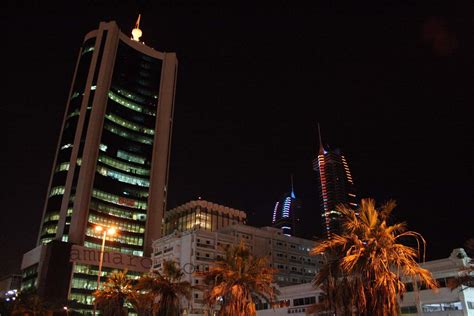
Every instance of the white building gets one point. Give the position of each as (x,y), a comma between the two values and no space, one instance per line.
(293,300)
(445,301)
(195,250)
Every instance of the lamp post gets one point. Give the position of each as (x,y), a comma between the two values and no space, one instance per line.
(111,232)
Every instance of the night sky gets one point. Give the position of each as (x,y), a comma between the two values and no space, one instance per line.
(390,84)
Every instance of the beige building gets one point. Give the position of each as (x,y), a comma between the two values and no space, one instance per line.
(196,249)
(293,299)
(444,302)
(296,299)
(201,214)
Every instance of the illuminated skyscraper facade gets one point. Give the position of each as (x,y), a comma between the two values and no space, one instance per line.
(284,213)
(335,186)
(111,165)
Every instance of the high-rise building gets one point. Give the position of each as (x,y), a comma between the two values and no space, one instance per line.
(335,185)
(201,214)
(111,165)
(284,212)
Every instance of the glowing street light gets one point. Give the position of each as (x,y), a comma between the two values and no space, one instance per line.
(111,231)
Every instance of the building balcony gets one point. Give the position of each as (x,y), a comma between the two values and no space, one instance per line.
(205,246)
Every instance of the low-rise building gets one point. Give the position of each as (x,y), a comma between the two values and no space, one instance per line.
(203,215)
(445,301)
(294,300)
(195,250)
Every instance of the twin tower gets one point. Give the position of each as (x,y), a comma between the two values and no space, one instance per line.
(335,186)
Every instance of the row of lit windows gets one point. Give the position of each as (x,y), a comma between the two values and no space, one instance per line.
(49,229)
(59,190)
(75,112)
(84,284)
(122,226)
(114,211)
(131,95)
(123,166)
(130,125)
(51,217)
(119,200)
(439,307)
(117,249)
(94,270)
(130,157)
(122,177)
(123,239)
(28,284)
(82,298)
(65,165)
(62,167)
(129,104)
(44,241)
(125,134)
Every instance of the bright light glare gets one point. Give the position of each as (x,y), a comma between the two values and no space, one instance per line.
(99,228)
(112,231)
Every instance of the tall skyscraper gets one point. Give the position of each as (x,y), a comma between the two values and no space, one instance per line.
(335,185)
(284,212)
(111,165)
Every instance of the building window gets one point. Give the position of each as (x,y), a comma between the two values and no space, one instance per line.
(438,307)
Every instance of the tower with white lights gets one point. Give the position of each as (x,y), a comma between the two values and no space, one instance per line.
(335,186)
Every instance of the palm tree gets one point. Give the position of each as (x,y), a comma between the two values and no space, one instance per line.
(111,298)
(166,289)
(235,280)
(364,265)
(142,302)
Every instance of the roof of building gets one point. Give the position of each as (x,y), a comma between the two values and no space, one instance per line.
(208,205)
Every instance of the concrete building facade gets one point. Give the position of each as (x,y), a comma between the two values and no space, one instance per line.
(296,299)
(444,302)
(195,250)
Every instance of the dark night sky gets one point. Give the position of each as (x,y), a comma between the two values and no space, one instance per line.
(390,84)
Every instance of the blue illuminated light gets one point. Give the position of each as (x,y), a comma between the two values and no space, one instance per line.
(286,207)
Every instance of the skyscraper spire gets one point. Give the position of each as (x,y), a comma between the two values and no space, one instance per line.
(335,185)
(292,189)
(321,146)
(136,32)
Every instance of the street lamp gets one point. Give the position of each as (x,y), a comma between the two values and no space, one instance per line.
(111,231)
(66,310)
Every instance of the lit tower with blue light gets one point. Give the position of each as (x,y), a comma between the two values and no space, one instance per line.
(335,186)
(284,213)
